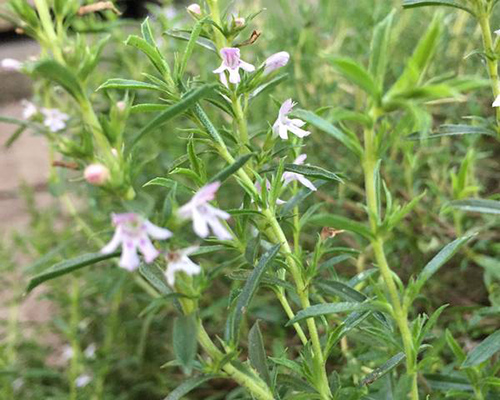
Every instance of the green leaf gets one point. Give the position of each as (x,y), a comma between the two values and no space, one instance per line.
(147,107)
(352,321)
(338,222)
(195,34)
(446,3)
(268,85)
(385,368)
(351,142)
(68,266)
(147,34)
(185,103)
(230,170)
(185,340)
(319,310)
(356,74)
(186,35)
(483,351)
(477,205)
(446,382)
(313,172)
(151,51)
(440,259)
(55,72)
(180,391)
(251,286)
(155,276)
(128,84)
(379,50)
(257,353)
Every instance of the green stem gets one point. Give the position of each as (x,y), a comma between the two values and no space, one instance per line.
(241,123)
(491,58)
(74,321)
(48,27)
(220,40)
(400,314)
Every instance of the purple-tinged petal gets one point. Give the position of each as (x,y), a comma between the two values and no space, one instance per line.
(217,212)
(206,193)
(114,243)
(276,61)
(156,232)
(283,131)
(230,56)
(129,259)
(286,107)
(300,159)
(247,66)
(147,249)
(234,76)
(301,133)
(200,225)
(218,229)
(306,182)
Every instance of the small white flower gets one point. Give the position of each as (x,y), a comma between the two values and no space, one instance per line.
(132,232)
(55,120)
(29,109)
(292,176)
(9,64)
(96,174)
(232,63)
(17,384)
(276,61)
(205,216)
(179,261)
(497,32)
(239,22)
(89,352)
(67,353)
(284,124)
(496,103)
(83,380)
(194,9)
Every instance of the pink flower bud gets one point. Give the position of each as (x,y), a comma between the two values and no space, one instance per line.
(239,22)
(121,105)
(194,9)
(96,174)
(276,61)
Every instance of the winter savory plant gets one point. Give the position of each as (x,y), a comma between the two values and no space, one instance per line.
(237,201)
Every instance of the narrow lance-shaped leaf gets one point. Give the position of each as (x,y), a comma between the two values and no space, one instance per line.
(385,368)
(446,3)
(230,170)
(185,340)
(68,266)
(195,34)
(251,286)
(312,171)
(319,310)
(350,142)
(379,50)
(186,102)
(257,353)
(356,74)
(483,351)
(440,259)
(180,391)
(477,205)
(338,222)
(128,84)
(59,74)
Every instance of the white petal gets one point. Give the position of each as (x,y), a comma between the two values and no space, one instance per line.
(129,259)
(234,76)
(147,249)
(306,182)
(298,131)
(156,232)
(300,159)
(283,131)
(246,66)
(189,267)
(220,70)
(170,274)
(200,224)
(206,193)
(297,122)
(496,103)
(286,107)
(114,243)
(218,229)
(217,212)
(289,177)
(186,211)
(189,250)
(223,79)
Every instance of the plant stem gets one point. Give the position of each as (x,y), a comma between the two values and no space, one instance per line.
(220,40)
(491,58)
(48,27)
(400,314)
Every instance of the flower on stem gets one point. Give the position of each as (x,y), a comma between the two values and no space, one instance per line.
(276,61)
(133,232)
(9,64)
(496,103)
(284,124)
(292,176)
(179,261)
(83,380)
(194,9)
(239,22)
(205,216)
(55,120)
(96,174)
(29,109)
(232,63)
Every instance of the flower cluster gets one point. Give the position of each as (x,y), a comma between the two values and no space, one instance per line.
(54,119)
(133,233)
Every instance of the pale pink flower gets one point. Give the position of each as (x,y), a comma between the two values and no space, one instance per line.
(284,124)
(29,109)
(89,352)
(239,22)
(232,63)
(132,233)
(179,261)
(258,186)
(96,174)
(194,9)
(292,176)
(9,64)
(55,120)
(496,103)
(276,61)
(204,216)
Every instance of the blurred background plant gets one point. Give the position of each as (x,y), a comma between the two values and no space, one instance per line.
(112,342)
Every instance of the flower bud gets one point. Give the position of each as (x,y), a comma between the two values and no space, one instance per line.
(194,9)
(276,61)
(239,22)
(121,105)
(96,174)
